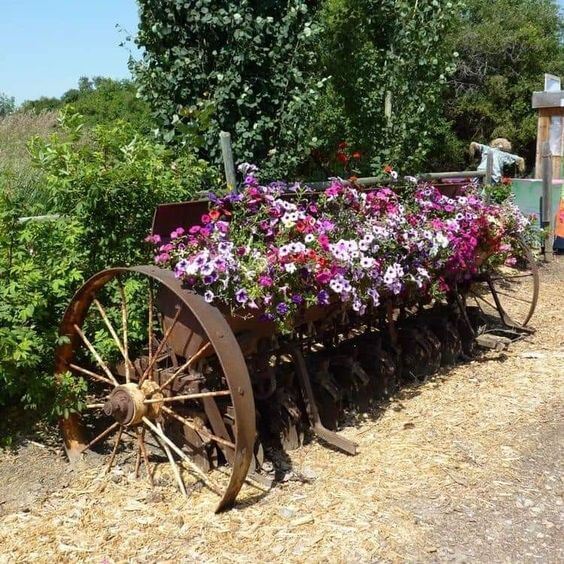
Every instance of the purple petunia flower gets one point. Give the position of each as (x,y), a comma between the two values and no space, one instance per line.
(282,308)
(241,296)
(265,281)
(323,298)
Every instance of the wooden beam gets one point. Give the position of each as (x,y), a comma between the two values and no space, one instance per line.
(228,165)
(547,219)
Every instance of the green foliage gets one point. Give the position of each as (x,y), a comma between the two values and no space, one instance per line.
(498,193)
(105,191)
(40,266)
(101,101)
(505,48)
(112,183)
(375,49)
(290,80)
(246,67)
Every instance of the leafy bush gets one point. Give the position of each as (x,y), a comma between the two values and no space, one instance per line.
(290,80)
(385,55)
(247,67)
(104,184)
(40,266)
(111,179)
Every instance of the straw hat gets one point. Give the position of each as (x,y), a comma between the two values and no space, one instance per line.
(502,144)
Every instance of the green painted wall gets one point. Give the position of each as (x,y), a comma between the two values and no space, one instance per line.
(528,192)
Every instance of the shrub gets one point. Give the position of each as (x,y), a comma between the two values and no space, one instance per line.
(105,191)
(383,53)
(40,266)
(247,67)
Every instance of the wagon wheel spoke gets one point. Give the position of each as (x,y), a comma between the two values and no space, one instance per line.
(94,405)
(122,347)
(198,428)
(186,365)
(161,346)
(511,276)
(187,397)
(125,351)
(114,450)
(513,297)
(150,330)
(92,375)
(171,460)
(194,467)
(478,297)
(95,354)
(103,434)
(143,453)
(137,462)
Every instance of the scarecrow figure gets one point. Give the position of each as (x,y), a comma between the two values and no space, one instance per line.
(502,157)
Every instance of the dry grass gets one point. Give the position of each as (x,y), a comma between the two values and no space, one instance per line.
(438,463)
(18,178)
(17,129)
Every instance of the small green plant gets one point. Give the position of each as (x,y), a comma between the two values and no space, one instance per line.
(498,193)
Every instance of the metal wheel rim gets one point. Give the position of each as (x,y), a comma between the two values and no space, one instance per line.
(222,340)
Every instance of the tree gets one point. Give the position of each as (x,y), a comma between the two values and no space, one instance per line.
(389,65)
(7,104)
(505,48)
(248,67)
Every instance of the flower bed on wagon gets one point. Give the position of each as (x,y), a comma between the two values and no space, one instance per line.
(279,248)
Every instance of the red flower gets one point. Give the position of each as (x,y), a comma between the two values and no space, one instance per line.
(343,145)
(357,155)
(214,215)
(388,169)
(341,157)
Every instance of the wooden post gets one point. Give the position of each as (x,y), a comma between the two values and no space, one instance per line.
(547,219)
(228,165)
(388,108)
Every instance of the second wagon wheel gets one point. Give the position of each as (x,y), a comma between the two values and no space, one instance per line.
(163,378)
(511,291)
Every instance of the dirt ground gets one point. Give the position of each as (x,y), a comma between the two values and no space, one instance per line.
(466,467)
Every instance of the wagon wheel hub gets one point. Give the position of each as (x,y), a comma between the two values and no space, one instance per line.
(127,403)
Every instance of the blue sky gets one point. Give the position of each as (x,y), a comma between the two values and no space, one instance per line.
(46,45)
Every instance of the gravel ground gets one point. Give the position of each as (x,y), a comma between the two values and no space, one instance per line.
(465,468)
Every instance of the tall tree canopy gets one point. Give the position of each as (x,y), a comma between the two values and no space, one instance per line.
(291,77)
(389,63)
(248,67)
(505,48)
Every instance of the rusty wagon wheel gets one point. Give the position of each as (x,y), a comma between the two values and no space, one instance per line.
(511,291)
(157,362)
